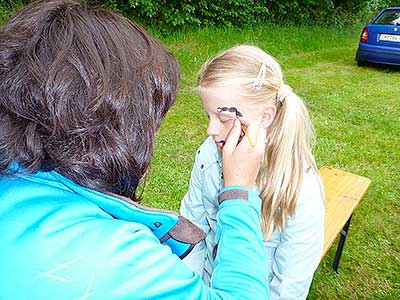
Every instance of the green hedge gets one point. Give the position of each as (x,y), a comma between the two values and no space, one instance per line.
(177,13)
(168,14)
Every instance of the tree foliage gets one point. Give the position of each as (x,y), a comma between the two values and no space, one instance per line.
(176,13)
(167,14)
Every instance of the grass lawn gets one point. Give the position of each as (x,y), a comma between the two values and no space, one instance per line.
(356,113)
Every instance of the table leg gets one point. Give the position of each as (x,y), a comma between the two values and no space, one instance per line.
(343,235)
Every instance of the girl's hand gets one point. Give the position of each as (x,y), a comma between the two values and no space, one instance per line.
(240,160)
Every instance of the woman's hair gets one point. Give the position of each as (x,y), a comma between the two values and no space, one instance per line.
(290,136)
(82,92)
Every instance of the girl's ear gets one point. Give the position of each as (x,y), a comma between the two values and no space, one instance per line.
(268,115)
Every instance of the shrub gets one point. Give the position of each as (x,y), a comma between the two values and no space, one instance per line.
(165,15)
(176,13)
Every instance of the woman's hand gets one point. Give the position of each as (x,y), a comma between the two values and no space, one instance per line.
(240,160)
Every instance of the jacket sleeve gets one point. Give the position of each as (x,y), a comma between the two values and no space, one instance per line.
(241,261)
(292,274)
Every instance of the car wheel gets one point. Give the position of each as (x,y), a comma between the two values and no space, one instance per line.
(362,63)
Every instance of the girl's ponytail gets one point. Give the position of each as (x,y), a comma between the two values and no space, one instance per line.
(289,140)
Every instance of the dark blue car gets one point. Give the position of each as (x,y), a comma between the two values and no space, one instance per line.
(380,39)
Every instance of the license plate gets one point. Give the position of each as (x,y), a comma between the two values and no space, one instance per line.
(389,37)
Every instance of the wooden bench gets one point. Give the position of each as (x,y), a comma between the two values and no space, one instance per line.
(343,192)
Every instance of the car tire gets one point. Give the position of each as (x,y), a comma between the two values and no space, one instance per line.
(362,63)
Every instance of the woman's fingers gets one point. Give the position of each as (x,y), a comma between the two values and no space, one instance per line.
(232,138)
(250,130)
(241,162)
(244,121)
(257,134)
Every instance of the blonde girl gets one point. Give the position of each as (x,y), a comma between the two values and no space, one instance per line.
(246,83)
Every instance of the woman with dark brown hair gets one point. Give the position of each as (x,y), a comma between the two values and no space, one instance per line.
(82,93)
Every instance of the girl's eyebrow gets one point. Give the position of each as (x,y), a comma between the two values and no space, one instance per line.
(230,109)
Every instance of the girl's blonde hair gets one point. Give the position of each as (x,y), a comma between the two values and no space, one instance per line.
(290,137)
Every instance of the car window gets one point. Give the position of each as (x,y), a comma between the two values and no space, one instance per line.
(389,17)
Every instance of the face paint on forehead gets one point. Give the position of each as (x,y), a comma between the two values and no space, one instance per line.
(231,110)
(238,114)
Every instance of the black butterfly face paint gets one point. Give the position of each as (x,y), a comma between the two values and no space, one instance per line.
(231,112)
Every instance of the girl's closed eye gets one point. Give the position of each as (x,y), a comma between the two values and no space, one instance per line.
(225,119)
(225,116)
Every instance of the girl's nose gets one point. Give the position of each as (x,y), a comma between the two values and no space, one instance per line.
(213,128)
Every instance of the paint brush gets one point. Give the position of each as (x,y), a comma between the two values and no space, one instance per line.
(244,129)
(238,114)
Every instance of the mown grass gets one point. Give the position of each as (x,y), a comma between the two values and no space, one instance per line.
(356,113)
(8,8)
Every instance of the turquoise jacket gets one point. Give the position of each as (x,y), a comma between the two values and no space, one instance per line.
(293,253)
(59,240)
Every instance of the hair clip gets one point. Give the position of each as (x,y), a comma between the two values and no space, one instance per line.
(258,82)
(282,93)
